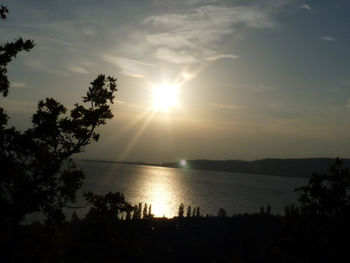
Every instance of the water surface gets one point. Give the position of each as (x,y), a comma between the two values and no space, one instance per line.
(167,188)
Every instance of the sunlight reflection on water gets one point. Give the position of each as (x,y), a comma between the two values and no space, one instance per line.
(161,190)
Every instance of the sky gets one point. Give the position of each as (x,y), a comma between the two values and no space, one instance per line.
(254,79)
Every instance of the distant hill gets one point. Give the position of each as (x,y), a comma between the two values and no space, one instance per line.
(302,168)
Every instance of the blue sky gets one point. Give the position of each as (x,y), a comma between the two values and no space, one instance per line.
(257,79)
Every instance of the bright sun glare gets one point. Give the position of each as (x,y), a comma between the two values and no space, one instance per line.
(165,97)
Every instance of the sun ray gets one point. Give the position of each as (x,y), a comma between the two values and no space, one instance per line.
(133,123)
(136,137)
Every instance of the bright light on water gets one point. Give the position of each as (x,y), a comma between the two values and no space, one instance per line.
(162,192)
(183,162)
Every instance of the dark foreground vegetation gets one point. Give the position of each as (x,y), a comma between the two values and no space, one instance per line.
(38,176)
(246,238)
(242,238)
(317,230)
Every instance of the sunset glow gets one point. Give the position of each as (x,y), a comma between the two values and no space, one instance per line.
(195,78)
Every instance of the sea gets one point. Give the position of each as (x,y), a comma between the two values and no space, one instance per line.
(166,188)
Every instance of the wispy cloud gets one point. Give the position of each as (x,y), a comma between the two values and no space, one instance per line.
(196,35)
(78,69)
(175,56)
(220,56)
(43,65)
(16,84)
(61,42)
(327,38)
(129,67)
(306,7)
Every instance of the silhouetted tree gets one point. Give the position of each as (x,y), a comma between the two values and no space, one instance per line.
(222,212)
(128,214)
(139,210)
(198,211)
(74,217)
(135,214)
(37,174)
(319,231)
(268,209)
(3,11)
(262,210)
(188,214)
(9,51)
(181,210)
(145,211)
(292,210)
(150,211)
(287,210)
(109,205)
(327,194)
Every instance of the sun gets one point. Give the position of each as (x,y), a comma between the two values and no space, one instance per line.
(165,97)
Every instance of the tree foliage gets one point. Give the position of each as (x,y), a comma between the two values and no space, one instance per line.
(327,194)
(3,11)
(37,173)
(9,51)
(107,206)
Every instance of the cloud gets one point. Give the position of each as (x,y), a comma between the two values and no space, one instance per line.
(78,69)
(61,42)
(306,7)
(174,56)
(187,3)
(220,56)
(129,67)
(15,84)
(197,34)
(187,76)
(327,38)
(89,31)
